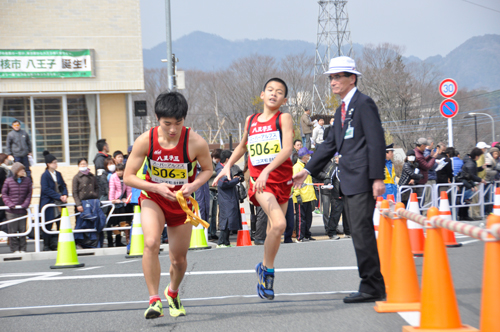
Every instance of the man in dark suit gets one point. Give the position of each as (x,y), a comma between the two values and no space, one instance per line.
(358,137)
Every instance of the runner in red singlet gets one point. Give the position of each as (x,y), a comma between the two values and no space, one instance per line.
(171,151)
(268,138)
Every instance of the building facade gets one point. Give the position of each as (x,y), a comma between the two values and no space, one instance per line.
(68,70)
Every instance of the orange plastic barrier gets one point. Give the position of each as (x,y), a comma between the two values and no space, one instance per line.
(445,213)
(416,231)
(243,238)
(384,243)
(376,216)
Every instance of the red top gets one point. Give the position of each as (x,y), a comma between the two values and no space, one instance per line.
(263,145)
(171,166)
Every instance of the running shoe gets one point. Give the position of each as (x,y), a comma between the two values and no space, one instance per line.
(155,310)
(174,305)
(266,282)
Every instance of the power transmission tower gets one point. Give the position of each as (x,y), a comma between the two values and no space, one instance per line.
(333,33)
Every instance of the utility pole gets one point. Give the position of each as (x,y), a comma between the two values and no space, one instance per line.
(332,36)
(170,60)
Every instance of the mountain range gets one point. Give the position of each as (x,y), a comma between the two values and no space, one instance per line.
(475,64)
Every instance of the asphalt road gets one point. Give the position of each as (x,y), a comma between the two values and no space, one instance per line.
(218,292)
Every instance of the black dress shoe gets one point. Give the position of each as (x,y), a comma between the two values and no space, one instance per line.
(258,242)
(311,238)
(362,297)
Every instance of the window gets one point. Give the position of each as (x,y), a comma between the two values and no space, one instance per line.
(15,109)
(78,128)
(49,128)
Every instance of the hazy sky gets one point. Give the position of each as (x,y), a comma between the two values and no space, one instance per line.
(424,27)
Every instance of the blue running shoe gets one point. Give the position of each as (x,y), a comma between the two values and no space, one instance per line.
(266,282)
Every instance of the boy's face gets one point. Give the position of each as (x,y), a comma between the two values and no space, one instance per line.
(273,95)
(171,127)
(119,159)
(297,145)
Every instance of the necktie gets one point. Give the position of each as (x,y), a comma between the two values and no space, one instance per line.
(343,113)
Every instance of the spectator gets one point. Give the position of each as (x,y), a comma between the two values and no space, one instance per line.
(476,210)
(103,181)
(303,198)
(444,173)
(327,129)
(431,175)
(118,157)
(492,174)
(18,146)
(212,230)
(337,207)
(229,207)
(16,193)
(118,195)
(410,175)
(129,151)
(306,127)
(390,173)
(202,196)
(424,163)
(318,132)
(53,191)
(325,176)
(85,188)
(297,145)
(457,163)
(102,154)
(4,173)
(468,176)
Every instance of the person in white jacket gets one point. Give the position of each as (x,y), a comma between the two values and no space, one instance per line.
(318,131)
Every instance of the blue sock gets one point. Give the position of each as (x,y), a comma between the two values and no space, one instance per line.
(269,270)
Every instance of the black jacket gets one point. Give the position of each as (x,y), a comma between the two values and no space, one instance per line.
(363,156)
(446,173)
(468,175)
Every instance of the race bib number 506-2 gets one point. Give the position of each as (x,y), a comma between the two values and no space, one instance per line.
(175,174)
(263,148)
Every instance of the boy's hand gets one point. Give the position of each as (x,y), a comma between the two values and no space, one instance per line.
(225,171)
(299,178)
(163,189)
(260,184)
(187,190)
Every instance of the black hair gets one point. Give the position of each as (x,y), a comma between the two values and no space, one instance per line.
(15,121)
(100,144)
(225,155)
(279,80)
(120,167)
(171,105)
(457,153)
(117,153)
(81,159)
(450,151)
(476,152)
(297,140)
(3,156)
(216,153)
(346,74)
(107,162)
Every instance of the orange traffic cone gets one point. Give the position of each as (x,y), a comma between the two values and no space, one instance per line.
(496,204)
(416,231)
(490,302)
(243,238)
(445,213)
(403,293)
(439,311)
(384,243)
(376,216)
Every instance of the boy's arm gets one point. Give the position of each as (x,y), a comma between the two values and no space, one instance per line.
(237,154)
(284,154)
(198,151)
(134,163)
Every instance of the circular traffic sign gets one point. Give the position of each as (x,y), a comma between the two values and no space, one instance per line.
(448,88)
(448,108)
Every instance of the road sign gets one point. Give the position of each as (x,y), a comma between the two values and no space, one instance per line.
(448,108)
(141,108)
(448,88)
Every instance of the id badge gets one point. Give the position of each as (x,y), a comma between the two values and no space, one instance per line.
(349,133)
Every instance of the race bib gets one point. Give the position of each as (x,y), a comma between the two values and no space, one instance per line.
(171,173)
(263,148)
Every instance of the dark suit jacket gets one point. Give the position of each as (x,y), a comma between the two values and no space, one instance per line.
(363,156)
(48,193)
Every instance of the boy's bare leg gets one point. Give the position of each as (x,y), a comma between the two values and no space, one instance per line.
(275,227)
(179,239)
(153,222)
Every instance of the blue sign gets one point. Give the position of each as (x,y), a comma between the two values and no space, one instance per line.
(448,108)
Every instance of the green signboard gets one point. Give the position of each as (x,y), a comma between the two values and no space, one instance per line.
(46,63)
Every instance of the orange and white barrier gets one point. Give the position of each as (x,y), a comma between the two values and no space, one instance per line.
(496,204)
(416,231)
(376,216)
(243,238)
(445,213)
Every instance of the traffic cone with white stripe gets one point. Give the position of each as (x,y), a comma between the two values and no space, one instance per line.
(384,243)
(496,204)
(416,231)
(66,248)
(243,238)
(445,213)
(137,236)
(376,216)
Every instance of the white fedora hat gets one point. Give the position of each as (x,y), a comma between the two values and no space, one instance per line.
(342,64)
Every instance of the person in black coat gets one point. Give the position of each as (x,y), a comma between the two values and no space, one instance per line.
(468,176)
(358,137)
(53,190)
(229,207)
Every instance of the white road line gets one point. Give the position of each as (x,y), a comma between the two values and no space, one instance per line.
(411,317)
(90,268)
(38,276)
(129,261)
(183,300)
(467,242)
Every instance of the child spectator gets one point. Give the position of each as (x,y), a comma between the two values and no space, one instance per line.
(303,198)
(118,157)
(118,194)
(16,193)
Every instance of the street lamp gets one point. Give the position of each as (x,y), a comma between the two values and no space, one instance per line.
(470,115)
(492,124)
